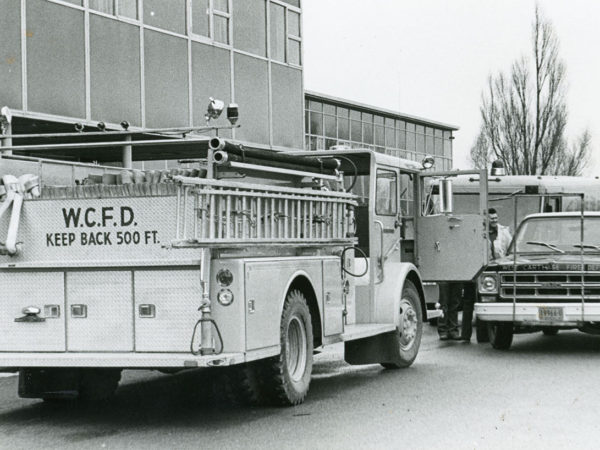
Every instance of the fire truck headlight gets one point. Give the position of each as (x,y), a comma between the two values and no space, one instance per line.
(488,284)
(225,297)
(224,277)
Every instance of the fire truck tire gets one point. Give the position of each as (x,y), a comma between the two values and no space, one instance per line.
(98,385)
(287,376)
(501,334)
(410,329)
(243,384)
(481,330)
(550,331)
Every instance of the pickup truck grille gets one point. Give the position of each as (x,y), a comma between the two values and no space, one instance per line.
(549,287)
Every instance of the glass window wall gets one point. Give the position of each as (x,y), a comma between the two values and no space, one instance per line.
(328,124)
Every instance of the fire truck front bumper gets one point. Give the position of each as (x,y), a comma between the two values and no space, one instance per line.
(10,360)
(559,314)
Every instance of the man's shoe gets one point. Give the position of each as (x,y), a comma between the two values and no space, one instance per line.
(454,336)
(444,336)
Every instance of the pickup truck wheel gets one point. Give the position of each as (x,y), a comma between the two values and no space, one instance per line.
(287,376)
(550,331)
(410,328)
(501,334)
(481,330)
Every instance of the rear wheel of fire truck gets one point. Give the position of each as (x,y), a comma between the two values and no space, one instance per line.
(287,376)
(550,331)
(97,385)
(410,328)
(501,334)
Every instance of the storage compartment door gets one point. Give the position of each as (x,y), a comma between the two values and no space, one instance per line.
(166,309)
(99,311)
(333,302)
(42,290)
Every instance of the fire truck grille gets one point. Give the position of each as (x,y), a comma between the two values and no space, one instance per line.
(549,287)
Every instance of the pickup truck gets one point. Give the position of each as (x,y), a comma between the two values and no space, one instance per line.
(548,281)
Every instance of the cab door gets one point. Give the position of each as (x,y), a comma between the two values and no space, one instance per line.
(385,243)
(450,247)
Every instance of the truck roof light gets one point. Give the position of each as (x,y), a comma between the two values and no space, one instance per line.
(428,162)
(214,109)
(498,169)
(233,113)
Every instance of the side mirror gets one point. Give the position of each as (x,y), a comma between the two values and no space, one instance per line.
(446,205)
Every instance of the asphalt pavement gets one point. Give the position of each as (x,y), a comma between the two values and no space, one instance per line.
(540,394)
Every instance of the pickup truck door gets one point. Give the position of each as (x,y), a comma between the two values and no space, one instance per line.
(450,247)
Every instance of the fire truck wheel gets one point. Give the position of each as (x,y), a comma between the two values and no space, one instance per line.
(287,376)
(550,331)
(501,334)
(243,384)
(410,328)
(98,384)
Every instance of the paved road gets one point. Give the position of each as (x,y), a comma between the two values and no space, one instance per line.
(543,393)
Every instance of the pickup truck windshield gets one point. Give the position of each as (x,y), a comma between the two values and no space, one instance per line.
(558,235)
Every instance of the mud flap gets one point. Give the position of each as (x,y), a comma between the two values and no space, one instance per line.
(382,348)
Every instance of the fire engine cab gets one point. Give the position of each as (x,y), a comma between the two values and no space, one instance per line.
(244,259)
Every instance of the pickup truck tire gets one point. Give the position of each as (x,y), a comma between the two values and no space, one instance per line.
(410,328)
(287,376)
(501,334)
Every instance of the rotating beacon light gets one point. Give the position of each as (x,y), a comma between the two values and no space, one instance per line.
(214,109)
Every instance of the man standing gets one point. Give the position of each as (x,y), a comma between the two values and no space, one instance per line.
(500,236)
(449,300)
(500,239)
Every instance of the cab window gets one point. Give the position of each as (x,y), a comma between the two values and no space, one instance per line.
(386,196)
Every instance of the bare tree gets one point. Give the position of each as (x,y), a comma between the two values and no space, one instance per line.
(524,114)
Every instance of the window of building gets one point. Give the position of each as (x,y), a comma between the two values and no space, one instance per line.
(201,17)
(211,19)
(330,126)
(294,38)
(123,8)
(343,128)
(285,35)
(316,123)
(221,18)
(277,32)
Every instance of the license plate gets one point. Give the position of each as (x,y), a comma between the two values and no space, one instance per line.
(550,313)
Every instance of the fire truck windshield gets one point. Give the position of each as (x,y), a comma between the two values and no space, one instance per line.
(558,235)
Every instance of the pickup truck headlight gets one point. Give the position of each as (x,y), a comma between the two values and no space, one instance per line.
(488,283)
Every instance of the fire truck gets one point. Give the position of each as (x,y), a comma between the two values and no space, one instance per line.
(242,259)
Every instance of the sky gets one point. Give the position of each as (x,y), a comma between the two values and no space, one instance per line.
(432,58)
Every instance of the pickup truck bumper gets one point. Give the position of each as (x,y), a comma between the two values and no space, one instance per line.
(559,314)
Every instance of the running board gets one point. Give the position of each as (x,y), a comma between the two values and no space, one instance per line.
(364,330)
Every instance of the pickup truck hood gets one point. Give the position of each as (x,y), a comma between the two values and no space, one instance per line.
(547,262)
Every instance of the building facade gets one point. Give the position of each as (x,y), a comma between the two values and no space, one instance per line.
(155,63)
